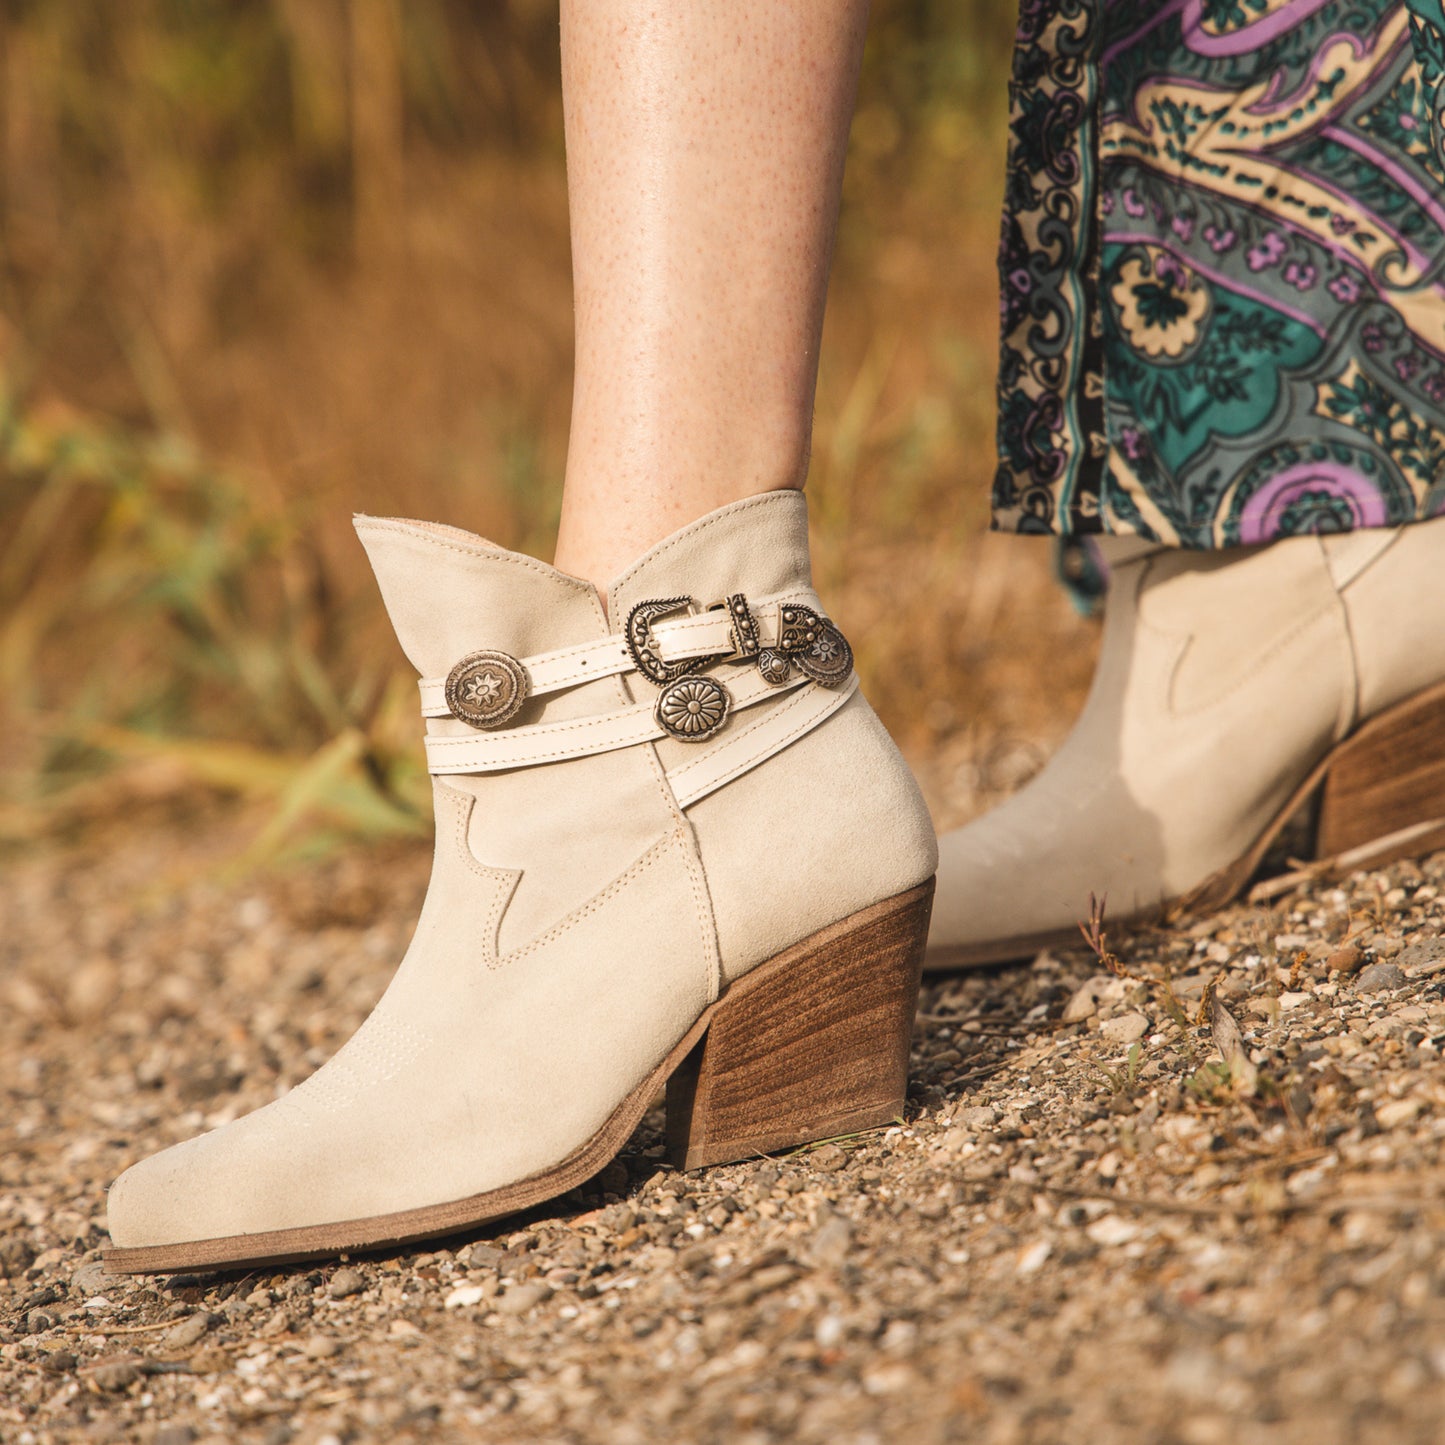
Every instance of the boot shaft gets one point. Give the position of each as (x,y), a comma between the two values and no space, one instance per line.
(800,777)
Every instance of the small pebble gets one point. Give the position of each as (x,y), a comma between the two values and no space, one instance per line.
(830,1245)
(321,1347)
(463,1296)
(113,1375)
(208,1362)
(91,1279)
(523,1297)
(1125,1029)
(1110,1229)
(188,1332)
(1393,1112)
(1428,953)
(16,1256)
(344,1283)
(1086,999)
(1347,959)
(1381,978)
(1032,1256)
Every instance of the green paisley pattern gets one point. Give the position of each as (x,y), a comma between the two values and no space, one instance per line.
(1223,269)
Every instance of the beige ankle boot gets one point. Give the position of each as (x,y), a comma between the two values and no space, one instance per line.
(1231,687)
(678,847)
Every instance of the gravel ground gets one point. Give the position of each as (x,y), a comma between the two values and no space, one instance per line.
(1089,1226)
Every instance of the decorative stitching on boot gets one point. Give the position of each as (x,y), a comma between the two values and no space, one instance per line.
(597,901)
(1281,643)
(506,879)
(483,553)
(689,534)
(377,1052)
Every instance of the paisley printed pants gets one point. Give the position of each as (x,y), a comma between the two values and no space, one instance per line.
(1223,269)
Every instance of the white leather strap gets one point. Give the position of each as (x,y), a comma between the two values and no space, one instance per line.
(704,634)
(491,752)
(547,672)
(739,749)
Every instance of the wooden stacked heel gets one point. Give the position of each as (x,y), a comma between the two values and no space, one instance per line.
(812,1045)
(1384,787)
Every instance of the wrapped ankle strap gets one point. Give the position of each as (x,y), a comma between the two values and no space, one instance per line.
(680,635)
(778,646)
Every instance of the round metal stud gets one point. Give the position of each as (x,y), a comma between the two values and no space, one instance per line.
(774,666)
(485,689)
(829,660)
(693,708)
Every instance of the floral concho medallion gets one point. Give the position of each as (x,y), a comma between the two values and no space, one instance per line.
(693,708)
(485,689)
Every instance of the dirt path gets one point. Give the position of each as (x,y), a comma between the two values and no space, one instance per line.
(1062,1242)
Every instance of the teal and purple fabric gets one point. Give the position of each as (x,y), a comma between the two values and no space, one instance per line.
(1223,269)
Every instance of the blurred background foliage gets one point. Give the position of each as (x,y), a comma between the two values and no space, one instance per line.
(267,262)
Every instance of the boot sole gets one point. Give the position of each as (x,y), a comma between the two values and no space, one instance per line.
(1381,798)
(812,1044)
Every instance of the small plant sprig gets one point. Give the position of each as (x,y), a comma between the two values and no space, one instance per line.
(1098,940)
(1121,1081)
(1163,989)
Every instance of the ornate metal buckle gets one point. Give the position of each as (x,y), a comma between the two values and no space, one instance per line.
(690,708)
(485,689)
(646,655)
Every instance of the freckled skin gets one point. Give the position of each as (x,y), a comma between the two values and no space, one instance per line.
(705,146)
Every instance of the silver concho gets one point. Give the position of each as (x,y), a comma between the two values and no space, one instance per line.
(693,708)
(643,647)
(485,689)
(774,666)
(829,660)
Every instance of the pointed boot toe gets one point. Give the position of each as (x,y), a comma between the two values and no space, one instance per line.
(1233,688)
(677,847)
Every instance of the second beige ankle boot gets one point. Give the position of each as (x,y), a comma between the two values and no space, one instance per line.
(1232,687)
(674,847)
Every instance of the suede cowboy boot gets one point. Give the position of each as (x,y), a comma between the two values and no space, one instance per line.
(1232,688)
(676,847)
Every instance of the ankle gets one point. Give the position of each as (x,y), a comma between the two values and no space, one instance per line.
(619,502)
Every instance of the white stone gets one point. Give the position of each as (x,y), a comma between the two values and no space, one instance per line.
(1032,1257)
(1126,1029)
(1111,1230)
(463,1296)
(1396,1111)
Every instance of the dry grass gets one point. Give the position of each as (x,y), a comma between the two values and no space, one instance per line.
(267,265)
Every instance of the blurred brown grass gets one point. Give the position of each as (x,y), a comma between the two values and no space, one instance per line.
(265,264)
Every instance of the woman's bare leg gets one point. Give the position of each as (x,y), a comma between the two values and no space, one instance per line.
(705,146)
